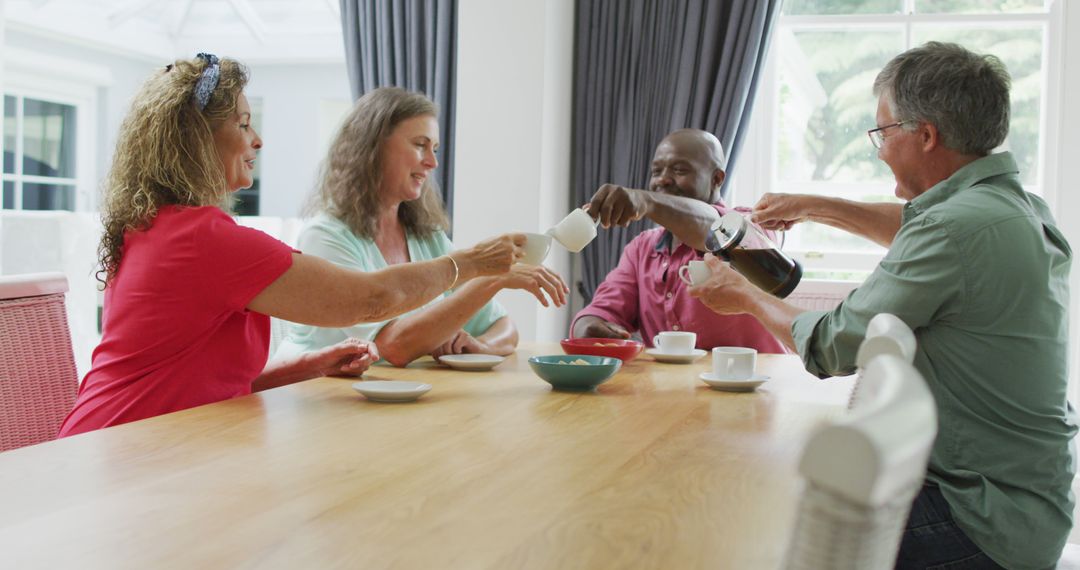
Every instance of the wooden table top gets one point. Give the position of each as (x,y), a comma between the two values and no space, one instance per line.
(488,470)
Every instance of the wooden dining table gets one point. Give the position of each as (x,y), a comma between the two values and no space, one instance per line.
(487,470)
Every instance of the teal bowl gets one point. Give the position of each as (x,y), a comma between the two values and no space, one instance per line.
(558,371)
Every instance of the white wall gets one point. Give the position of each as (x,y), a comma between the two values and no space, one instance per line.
(297,101)
(1065,195)
(512,166)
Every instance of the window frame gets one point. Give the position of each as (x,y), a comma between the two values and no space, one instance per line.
(17,177)
(758,159)
(35,76)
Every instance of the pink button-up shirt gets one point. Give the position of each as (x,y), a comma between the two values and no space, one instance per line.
(644,293)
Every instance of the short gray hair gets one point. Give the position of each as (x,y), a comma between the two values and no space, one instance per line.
(962,93)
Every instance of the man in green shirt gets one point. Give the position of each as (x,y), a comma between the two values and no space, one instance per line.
(977,268)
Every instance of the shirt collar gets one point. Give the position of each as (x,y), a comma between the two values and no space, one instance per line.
(664,243)
(969,175)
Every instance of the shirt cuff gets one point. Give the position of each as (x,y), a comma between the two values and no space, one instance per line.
(601,313)
(802,332)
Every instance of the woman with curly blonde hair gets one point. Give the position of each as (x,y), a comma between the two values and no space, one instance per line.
(188,292)
(377,208)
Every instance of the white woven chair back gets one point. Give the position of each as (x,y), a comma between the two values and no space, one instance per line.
(835,533)
(885,334)
(38,379)
(863,471)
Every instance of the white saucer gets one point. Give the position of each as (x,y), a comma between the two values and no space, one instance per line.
(391,390)
(471,361)
(676,357)
(747,385)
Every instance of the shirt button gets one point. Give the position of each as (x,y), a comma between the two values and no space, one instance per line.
(675,327)
(669,295)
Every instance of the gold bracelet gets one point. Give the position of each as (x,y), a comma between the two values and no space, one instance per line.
(457,272)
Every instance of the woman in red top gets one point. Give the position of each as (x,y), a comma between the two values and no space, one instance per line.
(188,291)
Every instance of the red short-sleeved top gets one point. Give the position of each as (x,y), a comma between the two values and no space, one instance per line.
(176,333)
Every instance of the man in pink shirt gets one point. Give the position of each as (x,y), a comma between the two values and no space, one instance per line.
(644,293)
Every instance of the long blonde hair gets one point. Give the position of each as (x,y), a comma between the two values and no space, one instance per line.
(166,154)
(352,172)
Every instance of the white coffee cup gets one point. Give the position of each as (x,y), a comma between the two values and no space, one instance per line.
(536,248)
(575,231)
(675,342)
(694,273)
(733,362)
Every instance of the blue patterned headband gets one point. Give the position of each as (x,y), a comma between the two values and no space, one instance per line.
(207,81)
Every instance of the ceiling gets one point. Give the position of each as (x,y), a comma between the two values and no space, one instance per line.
(252,30)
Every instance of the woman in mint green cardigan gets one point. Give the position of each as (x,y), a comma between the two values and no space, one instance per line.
(377,206)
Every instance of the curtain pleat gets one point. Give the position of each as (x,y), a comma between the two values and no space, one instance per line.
(645,68)
(409,44)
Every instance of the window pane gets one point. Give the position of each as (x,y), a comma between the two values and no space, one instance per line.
(819,237)
(48,197)
(827,104)
(9,134)
(1021,51)
(48,139)
(817,7)
(979,6)
(9,195)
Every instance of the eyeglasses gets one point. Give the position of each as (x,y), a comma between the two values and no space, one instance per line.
(877,136)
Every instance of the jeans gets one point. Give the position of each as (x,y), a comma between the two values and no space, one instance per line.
(933,541)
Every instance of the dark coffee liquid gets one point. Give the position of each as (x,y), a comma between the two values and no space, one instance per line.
(769,269)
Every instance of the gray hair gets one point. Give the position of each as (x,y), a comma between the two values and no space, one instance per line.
(962,93)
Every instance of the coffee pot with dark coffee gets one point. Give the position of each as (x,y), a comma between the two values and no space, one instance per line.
(734,239)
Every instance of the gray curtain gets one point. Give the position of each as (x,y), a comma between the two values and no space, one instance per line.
(410,44)
(644,68)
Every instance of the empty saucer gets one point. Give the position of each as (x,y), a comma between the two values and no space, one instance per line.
(391,390)
(746,385)
(471,361)
(676,357)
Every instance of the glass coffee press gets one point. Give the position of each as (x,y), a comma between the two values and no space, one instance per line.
(737,241)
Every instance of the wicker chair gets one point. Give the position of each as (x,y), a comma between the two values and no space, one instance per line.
(38,380)
(816,295)
(863,472)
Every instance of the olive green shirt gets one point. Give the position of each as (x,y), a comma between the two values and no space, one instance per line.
(980,272)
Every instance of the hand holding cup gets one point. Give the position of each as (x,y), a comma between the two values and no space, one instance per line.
(536,248)
(614,205)
(694,273)
(575,231)
(493,256)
